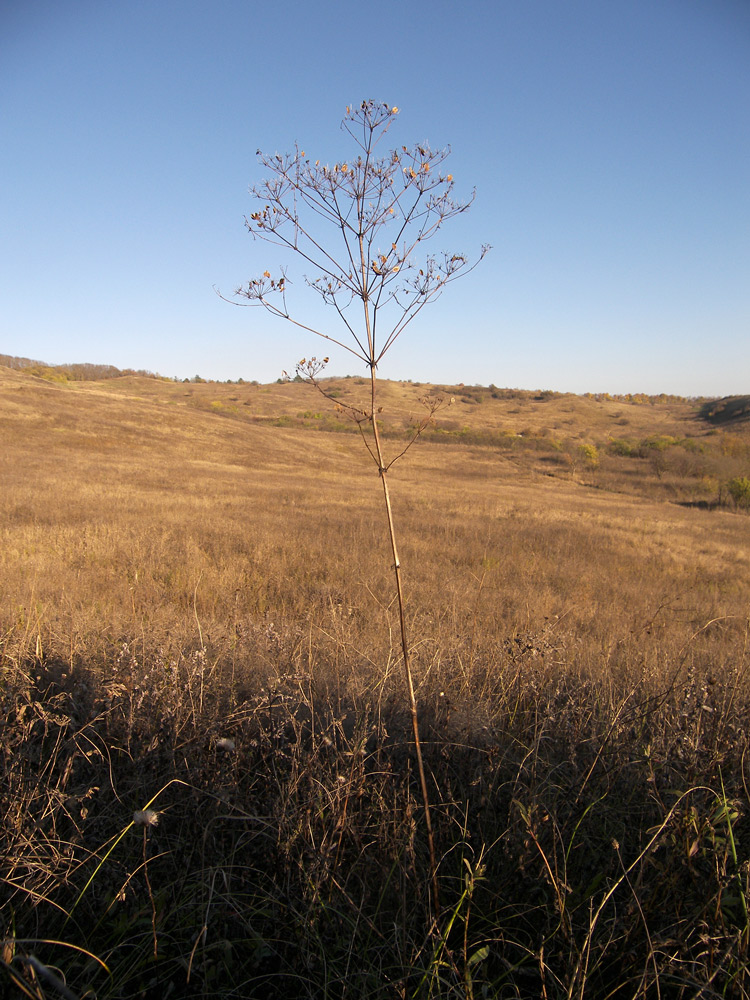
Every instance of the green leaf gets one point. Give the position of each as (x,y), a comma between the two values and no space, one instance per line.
(479,955)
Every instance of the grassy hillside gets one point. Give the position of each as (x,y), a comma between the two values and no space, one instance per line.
(196,617)
(662,447)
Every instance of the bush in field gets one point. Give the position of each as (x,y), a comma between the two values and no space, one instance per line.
(589,455)
(657,443)
(739,490)
(655,448)
(734,445)
(619,446)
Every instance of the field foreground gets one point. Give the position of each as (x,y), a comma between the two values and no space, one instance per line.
(208,783)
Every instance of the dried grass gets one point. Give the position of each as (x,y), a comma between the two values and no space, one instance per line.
(196,618)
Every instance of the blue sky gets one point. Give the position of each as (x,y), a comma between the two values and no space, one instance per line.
(608,141)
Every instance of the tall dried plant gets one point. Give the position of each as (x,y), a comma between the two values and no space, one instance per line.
(362,226)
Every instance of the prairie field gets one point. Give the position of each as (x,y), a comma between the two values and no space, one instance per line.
(208,778)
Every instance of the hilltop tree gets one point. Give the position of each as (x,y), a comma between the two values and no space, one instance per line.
(362,226)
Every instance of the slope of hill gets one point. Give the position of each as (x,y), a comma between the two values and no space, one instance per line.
(222,468)
(209,778)
(729,410)
(663,447)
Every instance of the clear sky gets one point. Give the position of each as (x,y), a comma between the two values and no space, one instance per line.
(608,140)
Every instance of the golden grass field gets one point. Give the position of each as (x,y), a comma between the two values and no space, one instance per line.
(189,563)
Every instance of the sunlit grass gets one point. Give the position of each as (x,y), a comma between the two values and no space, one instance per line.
(196,618)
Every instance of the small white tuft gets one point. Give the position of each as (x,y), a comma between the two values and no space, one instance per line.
(146,817)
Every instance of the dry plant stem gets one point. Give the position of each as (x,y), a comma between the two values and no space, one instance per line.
(405,652)
(150,892)
(381,211)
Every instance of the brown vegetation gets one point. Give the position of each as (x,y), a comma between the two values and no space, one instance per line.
(196,618)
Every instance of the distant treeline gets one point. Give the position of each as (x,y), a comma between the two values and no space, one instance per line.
(83,372)
(479,393)
(718,411)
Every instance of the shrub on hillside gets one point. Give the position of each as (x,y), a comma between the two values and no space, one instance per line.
(589,455)
(739,490)
(619,446)
(657,442)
